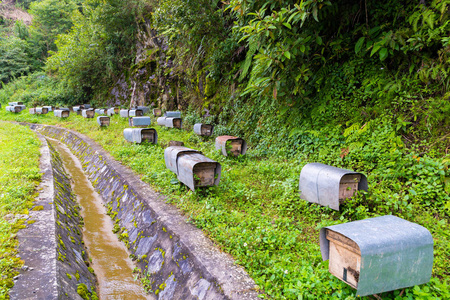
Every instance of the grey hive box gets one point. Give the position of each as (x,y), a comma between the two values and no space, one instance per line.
(192,167)
(329,186)
(379,254)
(227,143)
(172,114)
(203,129)
(144,109)
(59,113)
(88,113)
(135,113)
(49,108)
(42,110)
(124,113)
(139,135)
(139,121)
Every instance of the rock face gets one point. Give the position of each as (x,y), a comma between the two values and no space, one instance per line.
(55,257)
(147,84)
(174,257)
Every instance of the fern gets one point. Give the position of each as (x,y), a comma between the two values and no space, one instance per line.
(252,47)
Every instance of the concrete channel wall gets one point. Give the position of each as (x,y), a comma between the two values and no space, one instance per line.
(175,257)
(52,248)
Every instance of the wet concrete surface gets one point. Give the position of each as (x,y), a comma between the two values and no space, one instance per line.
(110,257)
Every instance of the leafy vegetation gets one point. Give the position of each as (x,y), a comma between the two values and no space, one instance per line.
(355,84)
(19,176)
(256,214)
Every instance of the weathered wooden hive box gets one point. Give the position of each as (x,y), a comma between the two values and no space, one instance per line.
(103,121)
(192,168)
(144,109)
(32,111)
(176,143)
(157,112)
(88,113)
(61,113)
(135,113)
(379,254)
(124,113)
(231,144)
(172,114)
(139,121)
(203,129)
(329,186)
(139,135)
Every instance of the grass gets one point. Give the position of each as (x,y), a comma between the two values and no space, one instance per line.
(257,216)
(19,176)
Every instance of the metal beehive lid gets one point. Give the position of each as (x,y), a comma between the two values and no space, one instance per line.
(161,121)
(173,114)
(48,107)
(169,122)
(110,111)
(135,112)
(185,166)
(395,253)
(134,135)
(32,111)
(124,113)
(319,183)
(42,110)
(171,156)
(140,121)
(144,109)
(221,143)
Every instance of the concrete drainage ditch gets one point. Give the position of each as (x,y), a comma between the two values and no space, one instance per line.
(175,258)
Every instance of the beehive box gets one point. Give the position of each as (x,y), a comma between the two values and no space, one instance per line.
(88,113)
(144,109)
(231,144)
(61,113)
(176,143)
(110,112)
(329,186)
(41,110)
(15,103)
(173,122)
(139,121)
(161,121)
(191,167)
(379,254)
(139,135)
(172,114)
(203,129)
(135,113)
(157,112)
(100,111)
(103,121)
(32,111)
(124,113)
(48,107)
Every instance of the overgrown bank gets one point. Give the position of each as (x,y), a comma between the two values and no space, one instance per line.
(256,213)
(19,177)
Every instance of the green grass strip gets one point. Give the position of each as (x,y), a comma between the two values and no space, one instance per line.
(19,176)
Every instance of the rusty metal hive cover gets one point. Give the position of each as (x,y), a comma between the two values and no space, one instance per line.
(319,183)
(198,128)
(395,253)
(221,143)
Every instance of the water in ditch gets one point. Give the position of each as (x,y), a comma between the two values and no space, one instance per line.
(110,257)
